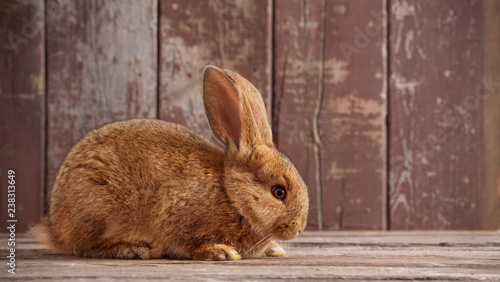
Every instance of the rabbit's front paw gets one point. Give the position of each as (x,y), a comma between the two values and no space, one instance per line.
(216,252)
(274,250)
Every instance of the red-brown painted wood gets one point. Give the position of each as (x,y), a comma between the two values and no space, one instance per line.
(101,68)
(22,112)
(439,90)
(229,34)
(322,71)
(490,217)
(330,106)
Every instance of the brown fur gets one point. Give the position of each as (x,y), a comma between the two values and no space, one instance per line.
(152,189)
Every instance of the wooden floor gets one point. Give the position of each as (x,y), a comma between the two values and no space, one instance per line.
(312,256)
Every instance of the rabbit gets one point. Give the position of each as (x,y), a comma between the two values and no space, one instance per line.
(146,188)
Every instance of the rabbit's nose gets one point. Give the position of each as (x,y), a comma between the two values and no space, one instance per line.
(301,229)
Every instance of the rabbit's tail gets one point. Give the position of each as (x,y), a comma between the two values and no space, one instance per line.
(44,235)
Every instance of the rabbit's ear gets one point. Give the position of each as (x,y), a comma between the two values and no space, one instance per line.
(222,103)
(235,109)
(255,126)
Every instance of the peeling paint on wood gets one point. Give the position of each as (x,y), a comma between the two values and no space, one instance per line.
(330,125)
(234,35)
(22,108)
(437,123)
(102,68)
(491,194)
(322,69)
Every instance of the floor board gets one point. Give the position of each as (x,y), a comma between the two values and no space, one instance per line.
(312,256)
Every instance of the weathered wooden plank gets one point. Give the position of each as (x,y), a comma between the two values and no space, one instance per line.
(314,255)
(401,238)
(491,196)
(22,87)
(330,106)
(229,34)
(437,126)
(101,68)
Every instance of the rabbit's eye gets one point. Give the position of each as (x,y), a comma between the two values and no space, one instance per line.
(279,192)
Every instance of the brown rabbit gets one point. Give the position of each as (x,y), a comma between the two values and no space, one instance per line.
(152,189)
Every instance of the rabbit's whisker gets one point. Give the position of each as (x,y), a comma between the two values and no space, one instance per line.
(262,241)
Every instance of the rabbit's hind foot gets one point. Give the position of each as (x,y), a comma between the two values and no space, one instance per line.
(122,251)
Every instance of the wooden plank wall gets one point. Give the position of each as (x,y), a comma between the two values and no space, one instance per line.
(101,67)
(491,192)
(22,109)
(331,126)
(439,89)
(373,100)
(229,34)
